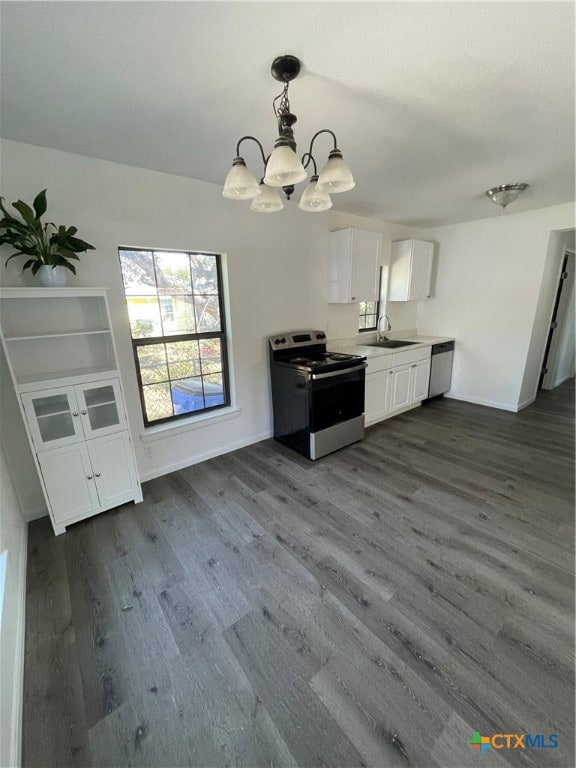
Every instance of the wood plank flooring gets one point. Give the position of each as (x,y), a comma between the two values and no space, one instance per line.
(374,608)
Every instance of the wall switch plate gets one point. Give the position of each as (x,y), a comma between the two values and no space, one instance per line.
(148,451)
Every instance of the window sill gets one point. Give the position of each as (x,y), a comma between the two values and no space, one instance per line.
(162,431)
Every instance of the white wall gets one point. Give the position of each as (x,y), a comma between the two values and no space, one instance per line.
(487,287)
(13,540)
(277,267)
(17,448)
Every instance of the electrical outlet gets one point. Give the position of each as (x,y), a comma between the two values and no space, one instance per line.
(148,451)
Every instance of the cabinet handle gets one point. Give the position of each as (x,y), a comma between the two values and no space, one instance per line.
(89,477)
(353,298)
(413,365)
(84,413)
(96,474)
(75,413)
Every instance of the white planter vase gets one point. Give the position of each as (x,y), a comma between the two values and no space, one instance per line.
(52,277)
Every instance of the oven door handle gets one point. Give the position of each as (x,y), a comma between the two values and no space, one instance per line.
(339,372)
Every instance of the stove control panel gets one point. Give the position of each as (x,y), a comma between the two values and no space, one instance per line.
(295,339)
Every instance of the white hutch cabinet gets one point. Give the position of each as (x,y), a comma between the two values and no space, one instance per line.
(62,359)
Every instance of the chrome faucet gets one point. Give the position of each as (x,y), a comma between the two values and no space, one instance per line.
(387,327)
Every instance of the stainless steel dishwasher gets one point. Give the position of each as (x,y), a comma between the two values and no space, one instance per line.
(441,368)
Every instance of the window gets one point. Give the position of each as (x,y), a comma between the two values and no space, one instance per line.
(177,322)
(368,311)
(368,315)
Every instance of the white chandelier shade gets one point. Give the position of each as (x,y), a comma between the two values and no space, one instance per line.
(268,201)
(313,199)
(240,184)
(336,176)
(284,167)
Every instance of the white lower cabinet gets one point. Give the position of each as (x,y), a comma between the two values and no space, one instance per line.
(89,477)
(69,480)
(375,396)
(395,383)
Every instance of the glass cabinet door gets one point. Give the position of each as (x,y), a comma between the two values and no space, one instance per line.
(53,417)
(101,407)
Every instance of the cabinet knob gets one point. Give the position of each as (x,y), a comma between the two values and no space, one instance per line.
(353,298)
(96,474)
(390,372)
(89,477)
(84,413)
(75,413)
(413,365)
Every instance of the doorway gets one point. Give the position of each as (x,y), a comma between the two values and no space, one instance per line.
(559,354)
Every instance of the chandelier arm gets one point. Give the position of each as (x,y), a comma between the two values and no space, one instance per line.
(308,158)
(253,138)
(313,139)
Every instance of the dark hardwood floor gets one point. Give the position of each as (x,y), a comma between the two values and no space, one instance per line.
(374,608)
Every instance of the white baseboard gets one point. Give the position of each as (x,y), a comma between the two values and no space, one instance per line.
(526,403)
(204,457)
(18,691)
(487,403)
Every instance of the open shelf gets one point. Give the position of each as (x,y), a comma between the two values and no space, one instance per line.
(27,316)
(55,335)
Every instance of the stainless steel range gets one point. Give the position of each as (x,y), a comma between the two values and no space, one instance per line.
(318,396)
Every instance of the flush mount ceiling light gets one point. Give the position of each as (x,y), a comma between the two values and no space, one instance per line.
(506,193)
(283,168)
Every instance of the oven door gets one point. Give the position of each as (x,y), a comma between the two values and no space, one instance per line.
(336,396)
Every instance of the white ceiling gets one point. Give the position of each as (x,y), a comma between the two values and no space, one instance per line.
(432,103)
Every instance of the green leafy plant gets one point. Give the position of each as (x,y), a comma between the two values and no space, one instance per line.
(45,244)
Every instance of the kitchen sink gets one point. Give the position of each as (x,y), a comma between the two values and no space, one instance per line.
(392,344)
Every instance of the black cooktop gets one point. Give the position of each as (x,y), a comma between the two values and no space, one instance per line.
(322,358)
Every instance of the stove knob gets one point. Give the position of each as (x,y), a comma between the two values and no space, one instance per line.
(320,335)
(276,341)
(282,340)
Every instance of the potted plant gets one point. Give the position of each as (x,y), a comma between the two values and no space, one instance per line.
(51,250)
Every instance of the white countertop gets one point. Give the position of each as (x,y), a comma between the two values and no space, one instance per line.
(367,351)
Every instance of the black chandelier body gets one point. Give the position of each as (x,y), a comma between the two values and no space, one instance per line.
(283,168)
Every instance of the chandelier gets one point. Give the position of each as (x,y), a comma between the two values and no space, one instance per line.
(506,193)
(283,168)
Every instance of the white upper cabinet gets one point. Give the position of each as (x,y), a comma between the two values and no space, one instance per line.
(410,270)
(355,261)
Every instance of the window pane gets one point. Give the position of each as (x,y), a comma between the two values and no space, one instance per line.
(172,272)
(138,273)
(188,395)
(213,390)
(370,321)
(204,273)
(211,355)
(207,313)
(158,401)
(144,314)
(152,361)
(183,359)
(181,318)
(362,310)
(362,322)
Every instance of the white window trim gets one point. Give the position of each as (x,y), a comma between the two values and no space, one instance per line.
(162,431)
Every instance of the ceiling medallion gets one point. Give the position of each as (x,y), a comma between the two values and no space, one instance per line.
(283,168)
(506,193)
